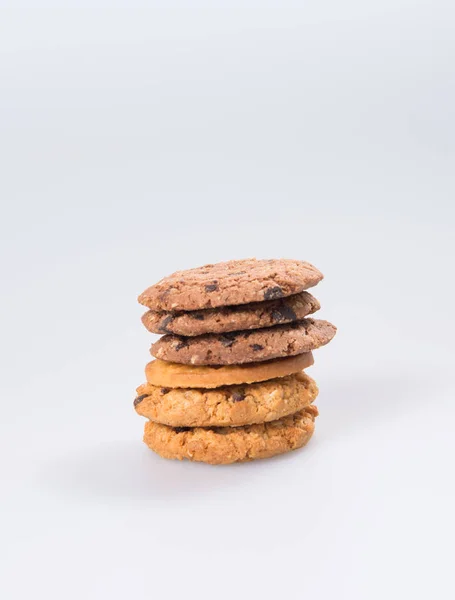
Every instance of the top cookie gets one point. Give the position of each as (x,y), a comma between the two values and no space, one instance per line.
(230,283)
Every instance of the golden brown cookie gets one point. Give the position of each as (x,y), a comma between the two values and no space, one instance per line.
(240,347)
(172,375)
(232,318)
(228,283)
(224,445)
(232,406)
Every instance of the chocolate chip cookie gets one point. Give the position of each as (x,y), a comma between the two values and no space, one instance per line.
(230,283)
(226,406)
(245,346)
(255,315)
(173,375)
(224,445)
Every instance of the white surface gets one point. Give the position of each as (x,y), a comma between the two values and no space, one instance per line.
(138,142)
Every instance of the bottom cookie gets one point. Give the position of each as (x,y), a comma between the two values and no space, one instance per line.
(225,445)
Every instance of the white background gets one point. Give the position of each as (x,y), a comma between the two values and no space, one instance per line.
(141,138)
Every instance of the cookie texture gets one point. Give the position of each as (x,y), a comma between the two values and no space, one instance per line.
(245,346)
(173,375)
(230,283)
(224,445)
(232,318)
(226,406)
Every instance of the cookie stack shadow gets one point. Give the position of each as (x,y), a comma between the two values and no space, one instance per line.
(228,382)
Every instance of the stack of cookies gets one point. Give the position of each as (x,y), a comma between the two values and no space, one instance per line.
(227,383)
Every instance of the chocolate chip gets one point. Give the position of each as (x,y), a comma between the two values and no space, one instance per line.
(197,316)
(256,347)
(165,391)
(182,344)
(273,293)
(238,396)
(163,296)
(164,323)
(181,429)
(228,339)
(283,313)
(211,287)
(139,399)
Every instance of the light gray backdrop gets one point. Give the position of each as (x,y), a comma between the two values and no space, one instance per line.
(141,138)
